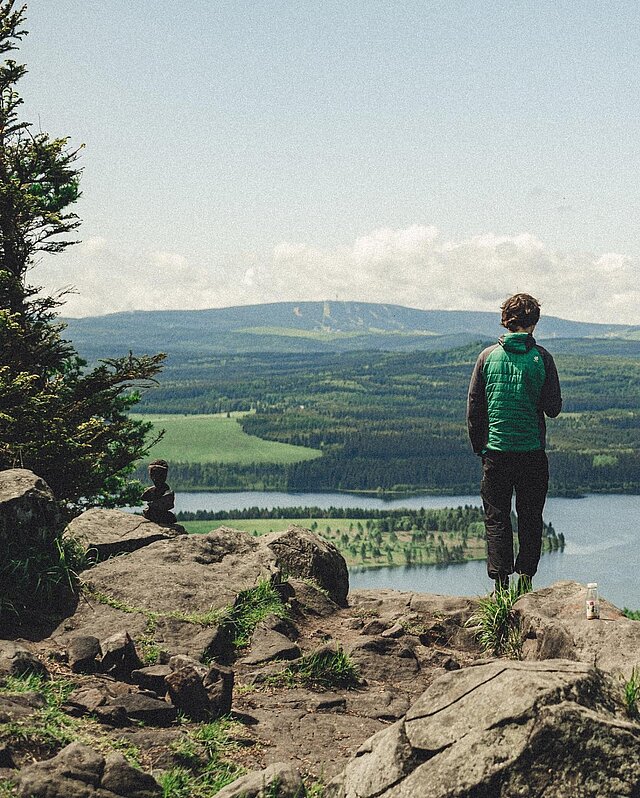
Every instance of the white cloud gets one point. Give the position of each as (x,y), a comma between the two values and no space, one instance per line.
(415,266)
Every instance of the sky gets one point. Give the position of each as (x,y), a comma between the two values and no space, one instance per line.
(431,154)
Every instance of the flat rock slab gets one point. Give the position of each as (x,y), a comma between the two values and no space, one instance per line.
(555,626)
(503,729)
(112,532)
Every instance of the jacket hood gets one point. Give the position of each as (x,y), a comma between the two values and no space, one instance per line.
(518,343)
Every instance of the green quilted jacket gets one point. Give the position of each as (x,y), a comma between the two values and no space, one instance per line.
(513,386)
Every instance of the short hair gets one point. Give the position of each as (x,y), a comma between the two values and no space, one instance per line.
(520,310)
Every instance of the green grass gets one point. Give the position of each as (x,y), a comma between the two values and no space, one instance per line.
(632,693)
(327,670)
(633,614)
(204,769)
(49,729)
(216,438)
(251,607)
(496,626)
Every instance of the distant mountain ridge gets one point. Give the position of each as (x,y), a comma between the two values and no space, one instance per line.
(317,326)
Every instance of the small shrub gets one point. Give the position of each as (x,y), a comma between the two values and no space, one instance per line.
(496,626)
(633,614)
(632,693)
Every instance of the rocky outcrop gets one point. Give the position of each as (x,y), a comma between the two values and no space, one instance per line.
(80,772)
(396,677)
(27,508)
(302,554)
(554,625)
(107,533)
(181,582)
(503,729)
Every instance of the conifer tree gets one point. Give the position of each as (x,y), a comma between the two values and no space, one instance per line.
(67,423)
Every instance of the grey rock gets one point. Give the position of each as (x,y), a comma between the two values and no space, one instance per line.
(107,533)
(377,657)
(85,700)
(27,507)
(112,715)
(218,682)
(152,678)
(555,626)
(504,729)
(309,600)
(16,659)
(395,631)
(375,626)
(187,692)
(82,653)
(302,554)
(267,645)
(199,691)
(16,706)
(150,711)
(80,772)
(119,655)
(260,783)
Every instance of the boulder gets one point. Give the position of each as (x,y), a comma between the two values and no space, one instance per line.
(502,729)
(16,659)
(202,692)
(152,678)
(554,625)
(27,508)
(107,533)
(82,653)
(268,644)
(119,655)
(16,706)
(80,772)
(280,779)
(302,554)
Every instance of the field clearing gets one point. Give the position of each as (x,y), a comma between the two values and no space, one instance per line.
(218,438)
(349,534)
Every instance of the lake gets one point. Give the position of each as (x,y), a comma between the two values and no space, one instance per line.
(602,534)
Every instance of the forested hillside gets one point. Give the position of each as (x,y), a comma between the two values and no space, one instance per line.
(395,421)
(319,327)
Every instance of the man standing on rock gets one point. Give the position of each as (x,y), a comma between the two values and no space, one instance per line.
(513,386)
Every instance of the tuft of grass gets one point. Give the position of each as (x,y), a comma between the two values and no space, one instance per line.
(633,614)
(631,690)
(251,607)
(496,625)
(204,768)
(36,575)
(323,669)
(7,788)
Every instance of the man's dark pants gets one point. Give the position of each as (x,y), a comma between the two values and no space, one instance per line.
(528,474)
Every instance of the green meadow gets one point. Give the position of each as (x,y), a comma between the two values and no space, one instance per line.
(218,438)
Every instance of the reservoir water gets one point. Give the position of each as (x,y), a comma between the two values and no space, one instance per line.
(602,534)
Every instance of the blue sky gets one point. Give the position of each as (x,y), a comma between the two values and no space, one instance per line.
(435,154)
